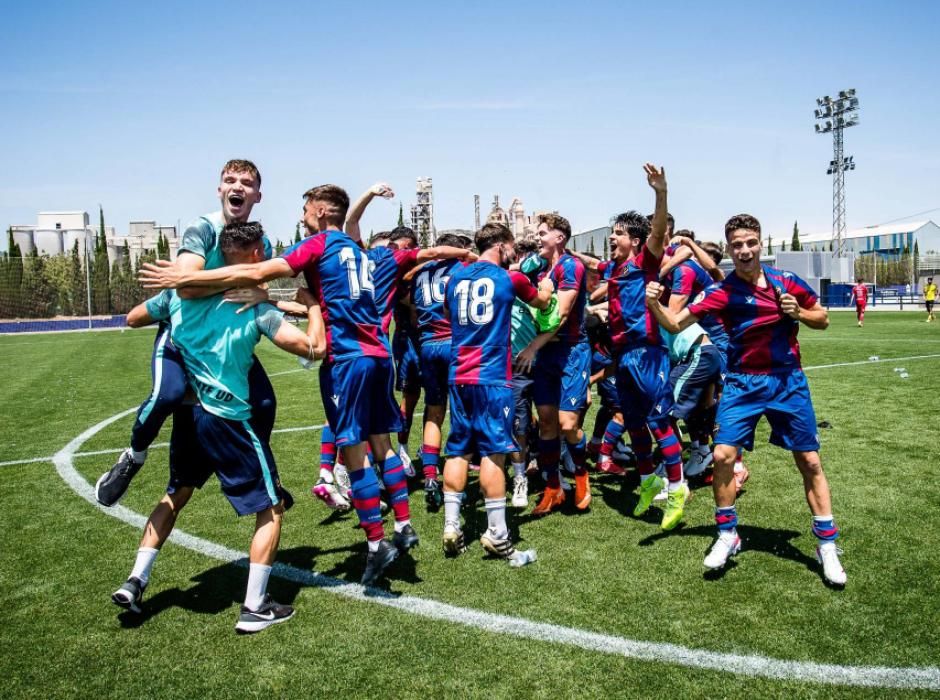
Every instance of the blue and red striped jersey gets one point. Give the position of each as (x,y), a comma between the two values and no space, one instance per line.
(762,339)
(690,279)
(336,270)
(480,297)
(427,295)
(568,273)
(631,323)
(388,266)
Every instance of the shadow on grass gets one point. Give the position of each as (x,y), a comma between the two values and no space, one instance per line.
(753,539)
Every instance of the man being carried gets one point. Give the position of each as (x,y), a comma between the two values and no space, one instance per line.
(216,434)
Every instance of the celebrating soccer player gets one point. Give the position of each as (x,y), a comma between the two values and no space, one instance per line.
(761,308)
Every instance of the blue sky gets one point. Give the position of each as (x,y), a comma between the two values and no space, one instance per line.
(560,104)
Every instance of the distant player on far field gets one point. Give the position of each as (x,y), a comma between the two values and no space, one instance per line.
(930,296)
(860,297)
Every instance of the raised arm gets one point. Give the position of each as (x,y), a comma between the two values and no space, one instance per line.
(701,257)
(590,262)
(445,252)
(656,177)
(379,189)
(166,275)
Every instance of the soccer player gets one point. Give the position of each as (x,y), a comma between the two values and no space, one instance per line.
(860,297)
(642,359)
(761,308)
(930,295)
(216,342)
(427,296)
(239,190)
(356,381)
(479,301)
(561,369)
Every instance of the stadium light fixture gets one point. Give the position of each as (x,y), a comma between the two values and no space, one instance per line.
(835,115)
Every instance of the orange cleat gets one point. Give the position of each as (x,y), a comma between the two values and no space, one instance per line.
(582,491)
(552,499)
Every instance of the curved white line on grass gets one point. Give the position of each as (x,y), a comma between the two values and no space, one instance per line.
(743,664)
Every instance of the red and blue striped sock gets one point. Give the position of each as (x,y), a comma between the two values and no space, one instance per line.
(327,449)
(726,519)
(430,459)
(365,498)
(825,529)
(612,436)
(549,455)
(671,450)
(642,445)
(396,483)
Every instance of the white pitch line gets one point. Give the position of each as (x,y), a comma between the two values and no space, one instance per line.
(914,678)
(873,362)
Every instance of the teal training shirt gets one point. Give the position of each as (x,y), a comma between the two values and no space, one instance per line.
(680,343)
(522,324)
(201,237)
(217,345)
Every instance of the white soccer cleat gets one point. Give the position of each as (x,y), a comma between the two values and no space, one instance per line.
(341,479)
(725,547)
(520,491)
(330,495)
(406,461)
(827,554)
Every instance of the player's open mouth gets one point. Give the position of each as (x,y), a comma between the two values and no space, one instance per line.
(236,200)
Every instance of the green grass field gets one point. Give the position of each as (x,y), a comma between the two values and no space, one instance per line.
(603,572)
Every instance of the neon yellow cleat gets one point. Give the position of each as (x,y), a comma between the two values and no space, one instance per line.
(675,507)
(649,487)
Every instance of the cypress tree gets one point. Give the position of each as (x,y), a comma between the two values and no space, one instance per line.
(795,242)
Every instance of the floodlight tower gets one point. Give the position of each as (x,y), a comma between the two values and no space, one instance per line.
(476,212)
(835,115)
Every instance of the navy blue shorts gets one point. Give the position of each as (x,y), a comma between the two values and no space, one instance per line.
(242,461)
(691,377)
(358,395)
(607,391)
(643,386)
(562,375)
(187,467)
(522,403)
(435,368)
(481,420)
(407,363)
(783,398)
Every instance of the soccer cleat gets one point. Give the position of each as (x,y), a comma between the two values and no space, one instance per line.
(433,495)
(112,485)
(268,613)
(827,554)
(330,495)
(341,479)
(453,541)
(405,540)
(741,474)
(378,561)
(675,506)
(699,460)
(406,461)
(130,594)
(609,466)
(725,547)
(582,491)
(520,491)
(650,486)
(497,546)
(552,499)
